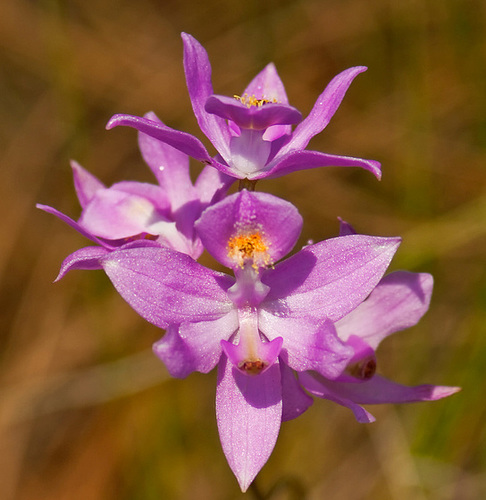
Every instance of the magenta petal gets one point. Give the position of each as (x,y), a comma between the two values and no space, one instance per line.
(328,279)
(294,400)
(323,110)
(254,117)
(211,185)
(322,390)
(307,345)
(203,339)
(267,85)
(345,229)
(173,352)
(198,78)
(73,224)
(87,258)
(274,222)
(170,167)
(249,412)
(381,390)
(166,287)
(398,302)
(182,141)
(304,159)
(194,346)
(85,184)
(115,213)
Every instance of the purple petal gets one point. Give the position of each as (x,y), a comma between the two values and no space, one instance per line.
(170,167)
(117,212)
(303,159)
(249,223)
(173,352)
(345,229)
(398,302)
(258,117)
(198,78)
(194,346)
(294,400)
(212,185)
(381,390)
(323,391)
(267,85)
(249,412)
(203,339)
(85,184)
(328,279)
(166,287)
(181,141)
(307,345)
(323,110)
(87,258)
(74,225)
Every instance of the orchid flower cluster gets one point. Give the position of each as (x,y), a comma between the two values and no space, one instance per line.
(278,329)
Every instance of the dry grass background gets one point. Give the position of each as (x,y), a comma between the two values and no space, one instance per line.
(86,411)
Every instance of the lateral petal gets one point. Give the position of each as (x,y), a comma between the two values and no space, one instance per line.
(305,159)
(85,183)
(248,412)
(294,400)
(167,287)
(198,79)
(398,302)
(324,108)
(307,344)
(170,167)
(74,225)
(87,258)
(194,346)
(182,141)
(380,390)
(328,279)
(323,391)
(267,85)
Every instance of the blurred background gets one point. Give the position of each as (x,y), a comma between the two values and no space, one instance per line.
(86,410)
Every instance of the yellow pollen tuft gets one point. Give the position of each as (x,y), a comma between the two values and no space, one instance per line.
(251,100)
(249,246)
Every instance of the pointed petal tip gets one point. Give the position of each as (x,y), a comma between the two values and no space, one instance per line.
(113,122)
(75,165)
(376,169)
(244,483)
(441,391)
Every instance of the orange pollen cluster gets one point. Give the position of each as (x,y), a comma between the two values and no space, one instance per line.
(246,247)
(251,100)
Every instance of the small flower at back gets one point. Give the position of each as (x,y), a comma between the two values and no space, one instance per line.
(128,211)
(252,132)
(398,302)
